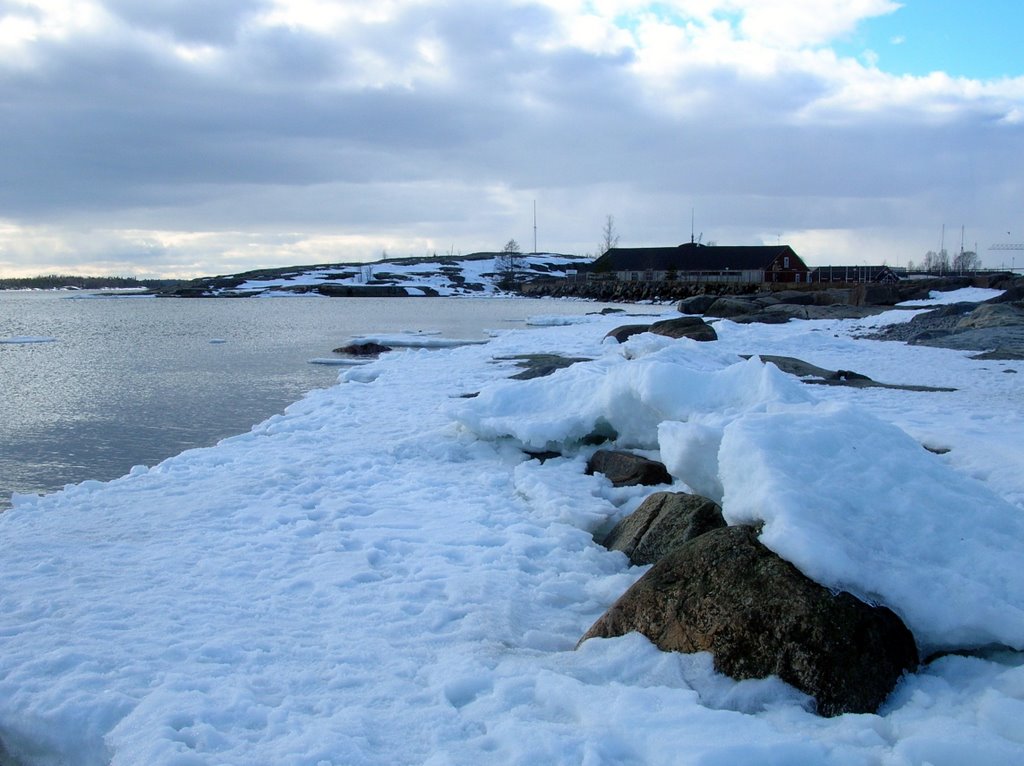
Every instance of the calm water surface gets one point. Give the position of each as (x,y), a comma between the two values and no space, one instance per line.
(132,381)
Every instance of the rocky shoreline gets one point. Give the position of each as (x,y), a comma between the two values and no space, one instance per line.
(717,588)
(994,326)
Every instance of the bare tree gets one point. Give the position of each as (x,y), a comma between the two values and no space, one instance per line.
(966,260)
(609,238)
(509,265)
(936,261)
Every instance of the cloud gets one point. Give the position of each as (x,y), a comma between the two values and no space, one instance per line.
(411,126)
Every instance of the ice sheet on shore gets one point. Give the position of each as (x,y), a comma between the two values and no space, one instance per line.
(417,340)
(367,579)
(22,339)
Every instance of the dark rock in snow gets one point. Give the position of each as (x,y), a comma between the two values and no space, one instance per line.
(664,522)
(725,593)
(691,327)
(624,333)
(728,307)
(540,365)
(368,348)
(624,469)
(696,304)
(809,373)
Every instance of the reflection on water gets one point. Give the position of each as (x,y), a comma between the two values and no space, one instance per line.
(132,381)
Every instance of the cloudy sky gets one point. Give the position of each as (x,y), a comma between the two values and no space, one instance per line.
(186,138)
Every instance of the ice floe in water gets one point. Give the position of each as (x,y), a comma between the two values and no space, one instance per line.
(22,339)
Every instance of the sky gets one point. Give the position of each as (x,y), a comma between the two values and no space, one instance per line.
(172,138)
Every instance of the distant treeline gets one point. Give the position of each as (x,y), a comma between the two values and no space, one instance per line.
(58,281)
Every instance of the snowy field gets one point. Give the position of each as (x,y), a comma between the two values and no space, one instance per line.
(380,576)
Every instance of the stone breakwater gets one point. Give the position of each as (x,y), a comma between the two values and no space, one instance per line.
(862,294)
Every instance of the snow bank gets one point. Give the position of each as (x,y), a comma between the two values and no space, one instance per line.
(858,505)
(626,393)
(854,502)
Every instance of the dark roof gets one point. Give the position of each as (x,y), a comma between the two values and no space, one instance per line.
(691,257)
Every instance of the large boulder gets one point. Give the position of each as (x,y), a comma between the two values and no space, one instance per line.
(691,327)
(729,307)
(871,294)
(363,348)
(664,522)
(627,331)
(696,304)
(725,593)
(625,469)
(795,297)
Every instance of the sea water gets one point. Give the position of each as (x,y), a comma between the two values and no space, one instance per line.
(91,386)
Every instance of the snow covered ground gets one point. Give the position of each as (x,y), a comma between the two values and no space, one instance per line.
(473,275)
(380,576)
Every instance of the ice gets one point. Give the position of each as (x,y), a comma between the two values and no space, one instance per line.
(380,575)
(338,361)
(22,339)
(417,340)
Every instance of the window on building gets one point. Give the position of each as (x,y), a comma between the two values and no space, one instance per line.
(785,261)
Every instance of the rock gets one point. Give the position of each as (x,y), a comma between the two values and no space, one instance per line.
(663,522)
(691,327)
(624,469)
(540,365)
(1001,354)
(832,296)
(763,317)
(875,295)
(728,307)
(993,315)
(812,374)
(783,312)
(623,333)
(696,304)
(725,593)
(367,348)
(795,297)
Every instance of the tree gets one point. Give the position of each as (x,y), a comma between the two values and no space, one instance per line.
(966,260)
(936,262)
(609,238)
(509,265)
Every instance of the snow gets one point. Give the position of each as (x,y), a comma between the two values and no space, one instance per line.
(967,294)
(472,275)
(380,576)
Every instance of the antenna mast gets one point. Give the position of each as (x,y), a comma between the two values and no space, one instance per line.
(691,225)
(535,227)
